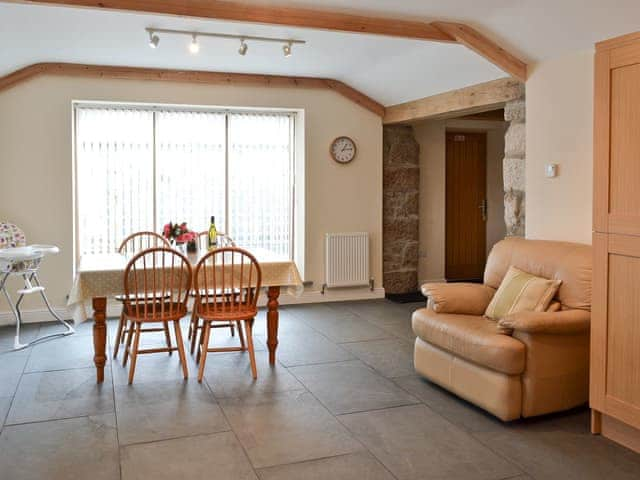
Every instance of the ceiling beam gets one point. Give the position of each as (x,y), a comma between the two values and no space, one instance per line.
(319,19)
(272,15)
(191,76)
(486,48)
(464,101)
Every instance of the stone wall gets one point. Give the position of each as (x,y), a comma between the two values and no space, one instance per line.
(401,184)
(513,167)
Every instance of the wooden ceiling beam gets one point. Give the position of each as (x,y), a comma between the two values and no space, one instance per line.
(464,101)
(191,76)
(486,48)
(271,15)
(318,19)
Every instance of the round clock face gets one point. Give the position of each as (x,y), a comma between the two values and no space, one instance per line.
(343,150)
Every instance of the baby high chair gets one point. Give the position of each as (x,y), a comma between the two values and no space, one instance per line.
(18,259)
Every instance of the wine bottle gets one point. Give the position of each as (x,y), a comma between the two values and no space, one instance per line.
(213,234)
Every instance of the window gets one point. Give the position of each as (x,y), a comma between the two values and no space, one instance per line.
(138,168)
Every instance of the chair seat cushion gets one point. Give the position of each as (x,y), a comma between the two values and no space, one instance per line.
(474,338)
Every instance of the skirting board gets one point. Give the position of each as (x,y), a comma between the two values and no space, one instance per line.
(113,307)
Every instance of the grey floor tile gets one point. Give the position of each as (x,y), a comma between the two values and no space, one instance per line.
(74,351)
(5,403)
(60,394)
(550,448)
(374,309)
(71,449)
(398,326)
(81,330)
(286,427)
(347,387)
(354,466)
(11,367)
(392,357)
(414,443)
(345,328)
(450,406)
(28,332)
(309,348)
(153,367)
(229,375)
(162,410)
(202,457)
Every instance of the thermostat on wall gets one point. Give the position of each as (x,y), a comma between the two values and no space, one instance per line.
(551,170)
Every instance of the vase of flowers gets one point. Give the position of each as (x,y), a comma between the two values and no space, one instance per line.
(180,235)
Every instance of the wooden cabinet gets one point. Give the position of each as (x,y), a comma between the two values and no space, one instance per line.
(615,331)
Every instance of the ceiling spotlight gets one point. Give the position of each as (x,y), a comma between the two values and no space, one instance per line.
(153,40)
(193,46)
(287,49)
(243,47)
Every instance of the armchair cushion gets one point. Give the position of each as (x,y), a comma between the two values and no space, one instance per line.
(472,337)
(521,291)
(565,322)
(462,298)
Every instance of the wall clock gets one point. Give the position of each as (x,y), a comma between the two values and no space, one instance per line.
(343,150)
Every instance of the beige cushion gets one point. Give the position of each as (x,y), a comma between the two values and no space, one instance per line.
(569,262)
(472,337)
(521,292)
(465,298)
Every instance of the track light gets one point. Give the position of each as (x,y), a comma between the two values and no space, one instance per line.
(243,47)
(193,46)
(153,39)
(287,49)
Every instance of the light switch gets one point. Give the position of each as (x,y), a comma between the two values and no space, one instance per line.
(551,170)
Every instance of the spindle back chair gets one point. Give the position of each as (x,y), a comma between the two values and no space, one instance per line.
(224,240)
(156,285)
(131,245)
(227,282)
(139,241)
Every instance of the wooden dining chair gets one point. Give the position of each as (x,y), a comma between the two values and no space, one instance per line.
(227,283)
(156,287)
(224,240)
(133,244)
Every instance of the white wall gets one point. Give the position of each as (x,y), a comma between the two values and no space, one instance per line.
(431,137)
(36,161)
(560,130)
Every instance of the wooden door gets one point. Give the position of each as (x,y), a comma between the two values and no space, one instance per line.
(617,140)
(615,327)
(466,215)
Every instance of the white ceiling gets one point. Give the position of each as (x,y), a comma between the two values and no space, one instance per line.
(390,70)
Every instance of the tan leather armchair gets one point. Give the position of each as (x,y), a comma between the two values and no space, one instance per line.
(527,363)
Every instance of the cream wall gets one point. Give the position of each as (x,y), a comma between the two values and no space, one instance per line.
(431,137)
(36,161)
(560,130)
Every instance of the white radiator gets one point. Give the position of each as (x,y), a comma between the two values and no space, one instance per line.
(346,259)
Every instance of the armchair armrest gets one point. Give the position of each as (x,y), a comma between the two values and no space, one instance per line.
(565,322)
(461,298)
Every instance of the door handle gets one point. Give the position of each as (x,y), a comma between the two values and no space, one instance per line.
(483,209)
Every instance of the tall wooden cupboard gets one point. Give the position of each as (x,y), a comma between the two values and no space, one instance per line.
(615,327)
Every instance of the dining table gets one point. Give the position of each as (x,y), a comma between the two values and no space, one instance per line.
(100,277)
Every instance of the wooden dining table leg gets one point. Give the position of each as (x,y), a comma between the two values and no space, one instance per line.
(272,322)
(99,335)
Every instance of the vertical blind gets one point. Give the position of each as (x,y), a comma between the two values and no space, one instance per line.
(137,169)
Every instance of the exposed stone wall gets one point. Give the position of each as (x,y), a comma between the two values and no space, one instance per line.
(513,167)
(401,184)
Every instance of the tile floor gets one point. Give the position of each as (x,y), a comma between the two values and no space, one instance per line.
(342,403)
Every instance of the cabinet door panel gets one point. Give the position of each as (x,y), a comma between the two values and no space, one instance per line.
(617,142)
(616,328)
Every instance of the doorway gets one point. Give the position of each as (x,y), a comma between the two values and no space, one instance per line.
(465,205)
